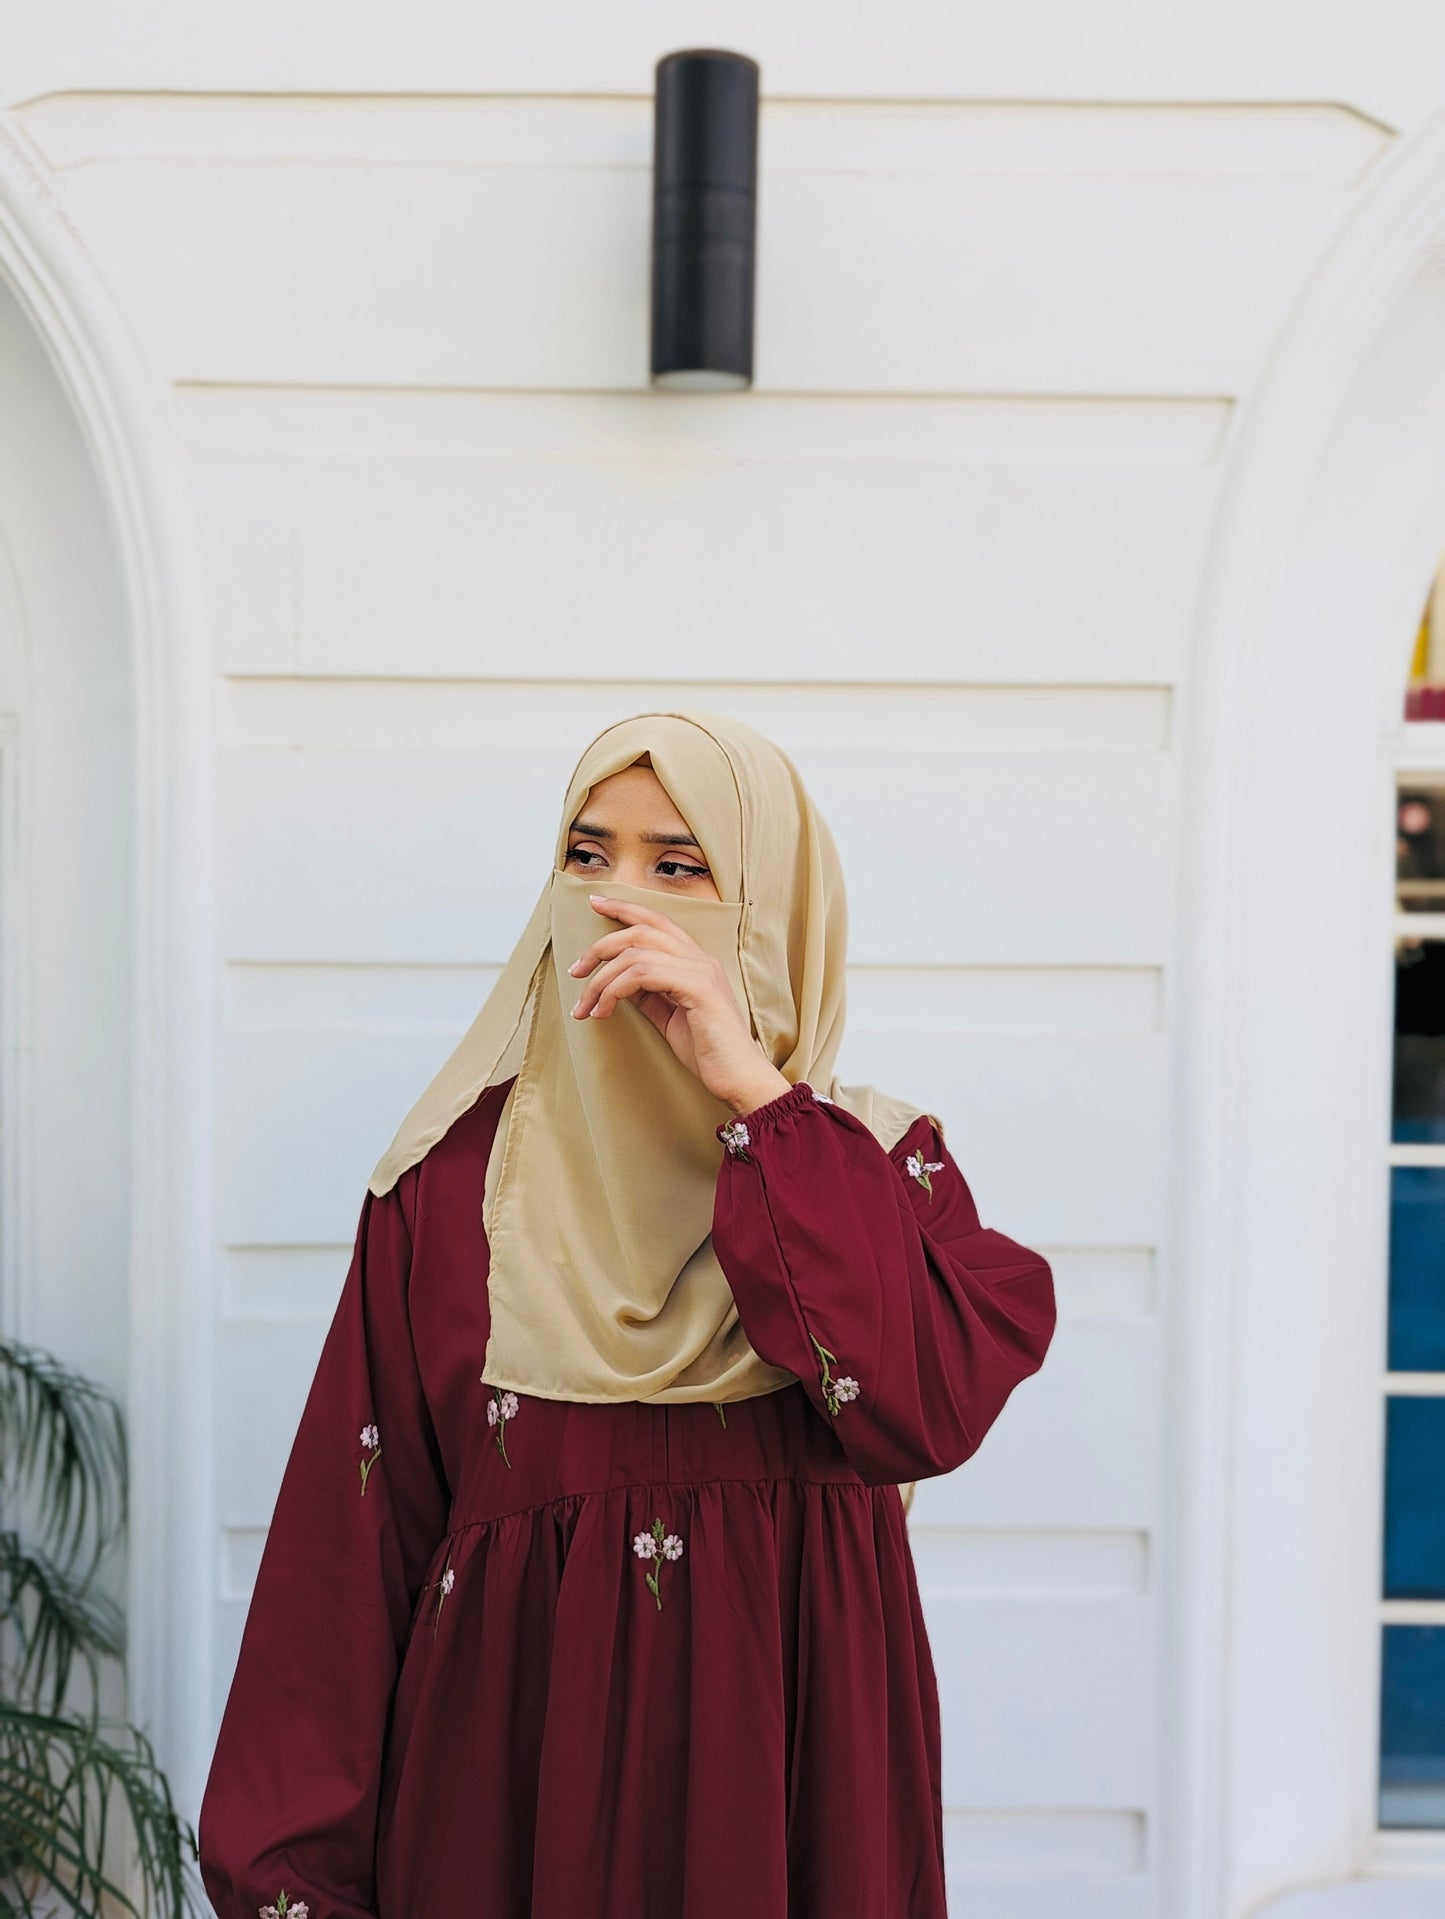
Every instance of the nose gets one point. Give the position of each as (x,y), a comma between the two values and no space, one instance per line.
(633,869)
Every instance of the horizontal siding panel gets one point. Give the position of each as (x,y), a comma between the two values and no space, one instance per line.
(881,999)
(328,271)
(979,1843)
(1048,1895)
(964,1560)
(1105,1282)
(1312,141)
(817,716)
(304,1117)
(263,1373)
(999,860)
(1045,1702)
(1244,50)
(1079,1444)
(907,555)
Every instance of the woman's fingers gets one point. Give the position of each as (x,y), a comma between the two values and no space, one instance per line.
(643,969)
(665,937)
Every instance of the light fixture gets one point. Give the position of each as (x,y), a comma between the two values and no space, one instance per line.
(704,221)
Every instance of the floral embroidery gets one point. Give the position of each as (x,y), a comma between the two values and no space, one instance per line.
(444,1586)
(824,1100)
(283,1908)
(371,1439)
(920,1168)
(501,1407)
(655,1547)
(736,1137)
(835,1391)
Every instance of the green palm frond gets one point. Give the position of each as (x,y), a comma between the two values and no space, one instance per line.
(68,1775)
(55,1620)
(58,1780)
(62,1439)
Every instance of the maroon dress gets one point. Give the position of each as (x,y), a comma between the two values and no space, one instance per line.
(525,1658)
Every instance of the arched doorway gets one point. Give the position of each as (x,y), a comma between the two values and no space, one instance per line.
(105,1212)
(1329,534)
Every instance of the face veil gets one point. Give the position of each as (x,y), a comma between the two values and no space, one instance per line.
(598,1203)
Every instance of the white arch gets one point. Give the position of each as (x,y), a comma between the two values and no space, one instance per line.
(1330,528)
(120,408)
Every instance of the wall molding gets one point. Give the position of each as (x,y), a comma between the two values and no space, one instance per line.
(122,412)
(1331,520)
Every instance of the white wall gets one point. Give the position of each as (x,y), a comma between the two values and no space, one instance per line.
(953,547)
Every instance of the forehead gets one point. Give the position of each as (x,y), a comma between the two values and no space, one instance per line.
(631,794)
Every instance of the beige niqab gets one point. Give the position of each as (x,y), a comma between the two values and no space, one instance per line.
(599,1192)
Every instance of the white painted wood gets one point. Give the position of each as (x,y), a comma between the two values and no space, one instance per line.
(120,829)
(498,127)
(438,857)
(821,716)
(1076,1448)
(1009,1669)
(1041,1895)
(264,269)
(304,1115)
(1014,1842)
(848,539)
(881,999)
(1270,51)
(1331,530)
(1364,1899)
(959,1560)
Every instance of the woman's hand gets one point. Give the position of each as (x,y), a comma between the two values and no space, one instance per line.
(686,994)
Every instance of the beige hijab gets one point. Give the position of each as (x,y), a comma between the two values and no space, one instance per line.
(599,1192)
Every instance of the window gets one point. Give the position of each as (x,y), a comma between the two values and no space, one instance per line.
(1412,1690)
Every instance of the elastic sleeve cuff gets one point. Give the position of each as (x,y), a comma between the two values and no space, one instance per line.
(739,1134)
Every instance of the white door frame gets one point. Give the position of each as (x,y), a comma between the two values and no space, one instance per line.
(1331,526)
(121,409)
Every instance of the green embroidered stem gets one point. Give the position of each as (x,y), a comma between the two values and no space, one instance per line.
(656,1566)
(829,1394)
(720,1413)
(366,1466)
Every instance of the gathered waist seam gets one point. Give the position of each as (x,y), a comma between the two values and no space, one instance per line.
(634,1485)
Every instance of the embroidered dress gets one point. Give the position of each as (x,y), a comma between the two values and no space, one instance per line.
(652,1664)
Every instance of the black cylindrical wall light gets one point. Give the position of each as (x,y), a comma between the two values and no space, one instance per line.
(704,221)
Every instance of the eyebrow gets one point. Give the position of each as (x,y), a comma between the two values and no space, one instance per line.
(651,839)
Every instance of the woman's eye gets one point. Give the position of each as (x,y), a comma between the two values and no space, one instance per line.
(583,855)
(679,869)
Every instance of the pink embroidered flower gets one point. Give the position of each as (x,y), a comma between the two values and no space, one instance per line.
(736,1137)
(654,1547)
(920,1168)
(835,1391)
(501,1407)
(371,1439)
(283,1909)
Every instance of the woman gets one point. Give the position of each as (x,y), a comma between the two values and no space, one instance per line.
(588,1591)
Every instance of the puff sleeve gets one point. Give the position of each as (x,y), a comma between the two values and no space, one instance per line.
(292,1795)
(868,1274)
